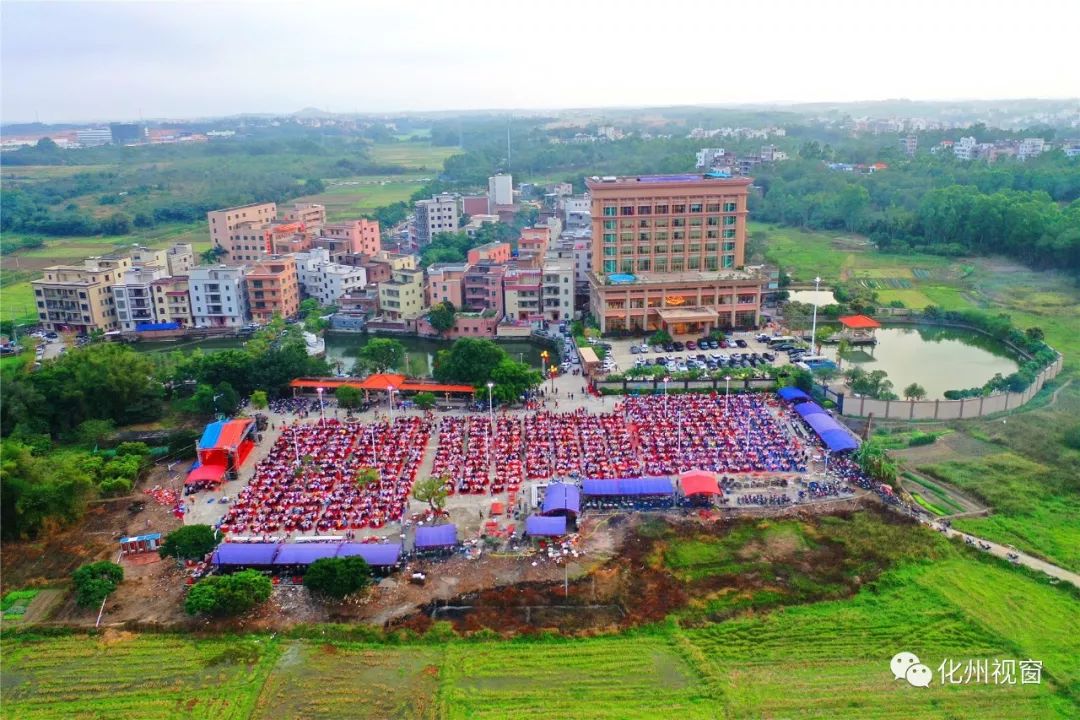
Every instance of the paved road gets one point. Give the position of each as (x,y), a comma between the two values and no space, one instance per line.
(1003,552)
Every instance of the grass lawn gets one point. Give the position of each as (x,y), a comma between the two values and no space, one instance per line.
(911,298)
(351,197)
(414,155)
(1032,508)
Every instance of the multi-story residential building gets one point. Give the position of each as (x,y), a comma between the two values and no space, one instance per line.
(127,133)
(224,223)
(133,295)
(273,288)
(707,158)
(473,205)
(670,242)
(909,144)
(310,215)
(172,300)
(483,287)
(577,212)
(285,238)
(1030,147)
(534,241)
(500,191)
(492,252)
(478,221)
(325,280)
(93,137)
(443,283)
(402,297)
(79,297)
(434,216)
(218,296)
(558,294)
(175,260)
(965,148)
(359,236)
(522,294)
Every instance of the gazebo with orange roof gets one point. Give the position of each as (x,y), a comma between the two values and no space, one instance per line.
(859,329)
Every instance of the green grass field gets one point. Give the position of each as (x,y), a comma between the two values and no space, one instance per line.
(824,660)
(351,197)
(413,155)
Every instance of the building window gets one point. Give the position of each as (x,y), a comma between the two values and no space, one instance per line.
(644,210)
(626,210)
(678,209)
(609,224)
(611,211)
(729,261)
(730,206)
(712,207)
(695,207)
(730,233)
(661,209)
(730,219)
(609,266)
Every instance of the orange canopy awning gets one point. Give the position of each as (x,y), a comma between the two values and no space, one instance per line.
(699,482)
(859,322)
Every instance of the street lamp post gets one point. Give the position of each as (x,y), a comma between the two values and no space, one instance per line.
(679,434)
(390,394)
(727,392)
(813,330)
(491,409)
(665,395)
(322,417)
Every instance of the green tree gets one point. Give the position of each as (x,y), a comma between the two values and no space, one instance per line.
(94,433)
(383,354)
(228,594)
(95,582)
(348,397)
(433,491)
(38,493)
(190,542)
(914,391)
(512,380)
(424,400)
(259,400)
(660,337)
(365,477)
(469,360)
(441,317)
(875,462)
(338,577)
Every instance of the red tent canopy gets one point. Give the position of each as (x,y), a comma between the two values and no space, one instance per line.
(205,473)
(859,322)
(699,482)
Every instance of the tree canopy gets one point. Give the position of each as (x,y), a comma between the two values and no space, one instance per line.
(190,542)
(338,577)
(441,316)
(228,594)
(95,582)
(469,360)
(382,354)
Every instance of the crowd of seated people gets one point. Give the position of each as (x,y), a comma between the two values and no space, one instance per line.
(507,455)
(687,432)
(309,481)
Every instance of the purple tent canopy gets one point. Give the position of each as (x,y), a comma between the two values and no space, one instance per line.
(304,554)
(822,423)
(437,536)
(245,554)
(809,408)
(832,433)
(376,555)
(560,497)
(544,526)
(629,486)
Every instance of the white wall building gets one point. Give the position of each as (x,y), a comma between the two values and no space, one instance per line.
(965,148)
(500,191)
(327,281)
(558,289)
(92,137)
(134,296)
(439,214)
(708,157)
(218,296)
(1030,147)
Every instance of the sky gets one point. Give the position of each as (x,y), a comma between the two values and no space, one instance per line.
(86,61)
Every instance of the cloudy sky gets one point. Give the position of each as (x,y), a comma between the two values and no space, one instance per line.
(82,61)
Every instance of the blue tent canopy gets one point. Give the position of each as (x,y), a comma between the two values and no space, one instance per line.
(792,394)
(561,497)
(809,408)
(837,440)
(628,486)
(375,554)
(545,526)
(245,554)
(437,536)
(211,434)
(148,327)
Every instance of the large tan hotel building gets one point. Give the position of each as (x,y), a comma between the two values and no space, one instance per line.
(667,253)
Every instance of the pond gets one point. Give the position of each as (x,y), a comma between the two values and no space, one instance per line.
(939,359)
(342,347)
(823,297)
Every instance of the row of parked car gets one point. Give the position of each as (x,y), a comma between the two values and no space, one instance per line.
(702,344)
(713,361)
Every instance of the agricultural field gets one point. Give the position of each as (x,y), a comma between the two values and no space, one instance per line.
(412,155)
(352,197)
(120,676)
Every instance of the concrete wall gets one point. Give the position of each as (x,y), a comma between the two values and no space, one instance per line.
(949,409)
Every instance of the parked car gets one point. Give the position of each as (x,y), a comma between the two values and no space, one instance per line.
(741,343)
(691,345)
(678,346)
(635,350)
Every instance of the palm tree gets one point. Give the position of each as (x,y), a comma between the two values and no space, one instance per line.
(914,391)
(842,348)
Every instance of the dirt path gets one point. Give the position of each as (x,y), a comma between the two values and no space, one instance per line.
(1003,551)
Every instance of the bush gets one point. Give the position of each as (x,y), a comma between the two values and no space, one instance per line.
(1072,437)
(424,400)
(190,542)
(228,594)
(338,577)
(94,582)
(921,438)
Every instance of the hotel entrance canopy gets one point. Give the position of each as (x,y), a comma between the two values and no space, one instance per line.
(688,315)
